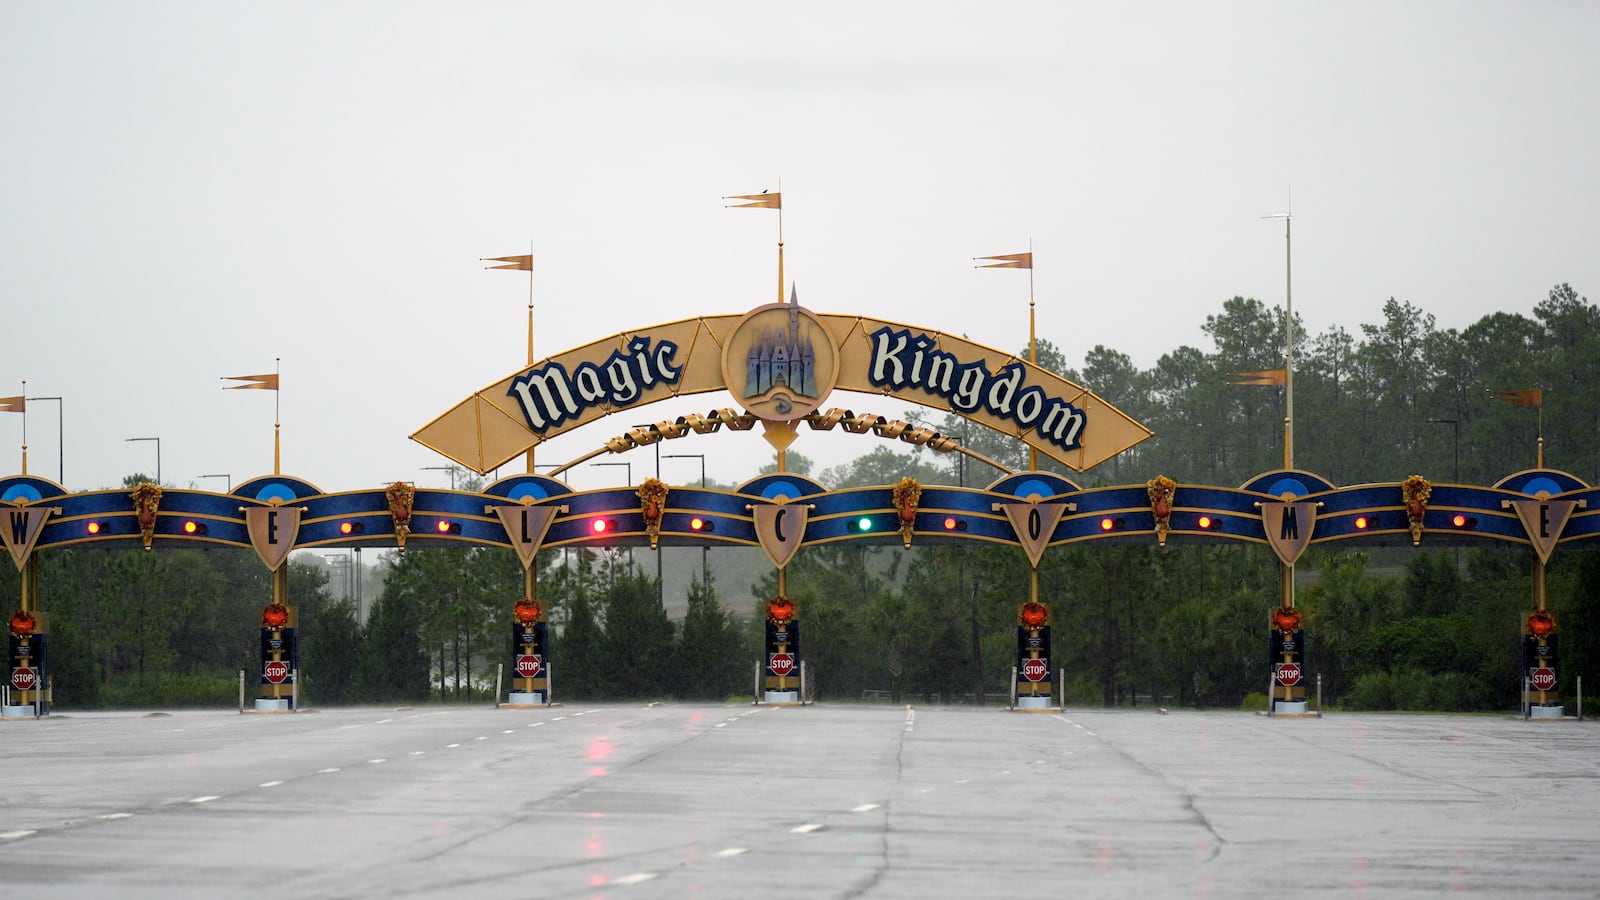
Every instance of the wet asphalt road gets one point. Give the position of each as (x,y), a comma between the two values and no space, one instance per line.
(827,801)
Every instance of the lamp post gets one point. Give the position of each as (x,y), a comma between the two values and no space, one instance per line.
(450,469)
(627,467)
(705,566)
(229,478)
(1455,427)
(158,453)
(61,463)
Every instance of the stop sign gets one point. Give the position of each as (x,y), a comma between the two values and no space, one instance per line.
(1543,678)
(1288,674)
(528,665)
(780,663)
(277,671)
(24,678)
(1035,669)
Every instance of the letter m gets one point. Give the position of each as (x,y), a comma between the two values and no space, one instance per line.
(1289,525)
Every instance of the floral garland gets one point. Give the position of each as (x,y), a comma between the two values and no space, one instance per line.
(780,609)
(652,503)
(1033,614)
(275,616)
(1541,624)
(400,496)
(906,496)
(23,623)
(1416,490)
(1286,619)
(146,502)
(1160,490)
(526,611)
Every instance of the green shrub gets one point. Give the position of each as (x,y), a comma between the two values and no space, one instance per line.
(168,690)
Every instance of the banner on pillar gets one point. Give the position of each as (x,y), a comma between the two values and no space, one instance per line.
(1289,527)
(273,530)
(1034,523)
(20,527)
(780,528)
(1544,521)
(526,526)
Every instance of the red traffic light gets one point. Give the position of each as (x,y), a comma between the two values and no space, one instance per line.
(1109,523)
(699,524)
(1205,522)
(600,526)
(351,528)
(190,526)
(447,526)
(96,527)
(1361,523)
(951,523)
(1463,521)
(780,609)
(1541,623)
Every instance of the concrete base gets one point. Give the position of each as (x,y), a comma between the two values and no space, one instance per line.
(16,712)
(1289,708)
(785,698)
(1547,712)
(1029,704)
(270,705)
(524,700)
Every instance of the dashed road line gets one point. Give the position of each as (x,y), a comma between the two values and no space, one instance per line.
(328,771)
(109,817)
(13,835)
(635,878)
(206,799)
(269,784)
(731,851)
(865,807)
(806,828)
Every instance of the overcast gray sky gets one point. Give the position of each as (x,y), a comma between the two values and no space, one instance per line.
(193,189)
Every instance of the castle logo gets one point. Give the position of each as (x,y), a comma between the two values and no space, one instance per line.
(781,362)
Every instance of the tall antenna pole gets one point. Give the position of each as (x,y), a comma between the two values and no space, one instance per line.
(1288,340)
(1033,351)
(277,418)
(780,261)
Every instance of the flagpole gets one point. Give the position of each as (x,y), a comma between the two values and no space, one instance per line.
(1288,341)
(780,255)
(1033,348)
(277,417)
(530,334)
(24,428)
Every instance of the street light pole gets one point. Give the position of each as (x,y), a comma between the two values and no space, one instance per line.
(61,445)
(158,454)
(450,469)
(705,566)
(627,467)
(1455,427)
(227,476)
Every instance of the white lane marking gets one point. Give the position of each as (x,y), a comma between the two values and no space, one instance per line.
(865,807)
(378,760)
(964,781)
(382,721)
(635,878)
(806,828)
(13,835)
(731,851)
(416,753)
(575,715)
(534,724)
(722,725)
(267,784)
(206,799)
(509,731)
(328,771)
(113,816)
(558,718)
(451,746)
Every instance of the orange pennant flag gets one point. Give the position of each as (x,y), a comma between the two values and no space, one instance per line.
(762,200)
(523,263)
(13,404)
(1269,378)
(1530,397)
(255,382)
(1008,261)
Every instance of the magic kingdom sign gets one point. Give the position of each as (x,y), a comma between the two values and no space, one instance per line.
(781,362)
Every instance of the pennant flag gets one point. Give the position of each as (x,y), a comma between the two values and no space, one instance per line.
(523,263)
(13,404)
(1270,378)
(1530,397)
(254,382)
(762,200)
(1008,261)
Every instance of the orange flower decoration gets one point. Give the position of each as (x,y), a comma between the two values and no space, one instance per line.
(23,623)
(1541,624)
(1286,619)
(526,611)
(274,616)
(1033,615)
(780,609)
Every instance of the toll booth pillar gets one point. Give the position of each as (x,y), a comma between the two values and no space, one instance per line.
(781,678)
(28,680)
(280,659)
(1539,666)
(1035,680)
(530,666)
(1286,654)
